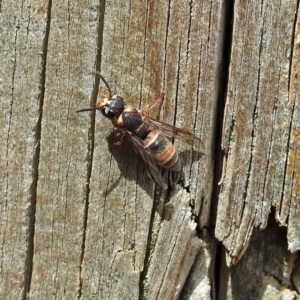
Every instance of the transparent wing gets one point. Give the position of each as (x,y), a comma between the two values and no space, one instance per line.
(152,169)
(181,133)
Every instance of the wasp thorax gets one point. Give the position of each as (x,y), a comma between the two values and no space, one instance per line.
(112,108)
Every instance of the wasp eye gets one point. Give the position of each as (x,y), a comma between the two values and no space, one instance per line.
(106,110)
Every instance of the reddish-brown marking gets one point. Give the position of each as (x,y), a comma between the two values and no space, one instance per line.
(130,109)
(147,111)
(118,123)
(162,155)
(165,154)
(127,109)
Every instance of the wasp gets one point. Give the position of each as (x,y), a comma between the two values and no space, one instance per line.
(143,132)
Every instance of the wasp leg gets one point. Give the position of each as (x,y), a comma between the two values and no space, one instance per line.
(157,103)
(119,143)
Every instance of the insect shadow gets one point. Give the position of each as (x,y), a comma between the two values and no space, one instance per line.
(129,164)
(132,167)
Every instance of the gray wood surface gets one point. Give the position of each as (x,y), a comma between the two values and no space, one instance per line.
(261,124)
(81,222)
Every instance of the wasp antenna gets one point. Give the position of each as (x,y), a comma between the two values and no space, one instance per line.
(86,109)
(105,82)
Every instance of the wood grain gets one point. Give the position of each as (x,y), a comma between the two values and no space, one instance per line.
(259,130)
(23,32)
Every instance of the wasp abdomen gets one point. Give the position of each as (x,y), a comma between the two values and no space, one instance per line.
(162,151)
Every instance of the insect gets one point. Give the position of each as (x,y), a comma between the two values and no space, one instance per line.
(143,132)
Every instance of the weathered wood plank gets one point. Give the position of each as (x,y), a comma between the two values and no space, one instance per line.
(260,125)
(22,34)
(80,222)
(149,47)
(65,151)
(290,212)
(92,230)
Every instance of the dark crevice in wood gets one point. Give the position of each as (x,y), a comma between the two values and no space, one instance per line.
(223,84)
(292,45)
(166,44)
(144,52)
(188,46)
(153,236)
(36,162)
(150,243)
(91,138)
(169,262)
(218,284)
(169,191)
(255,117)
(177,85)
(218,153)
(10,111)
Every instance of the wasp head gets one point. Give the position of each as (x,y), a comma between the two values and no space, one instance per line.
(111,108)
